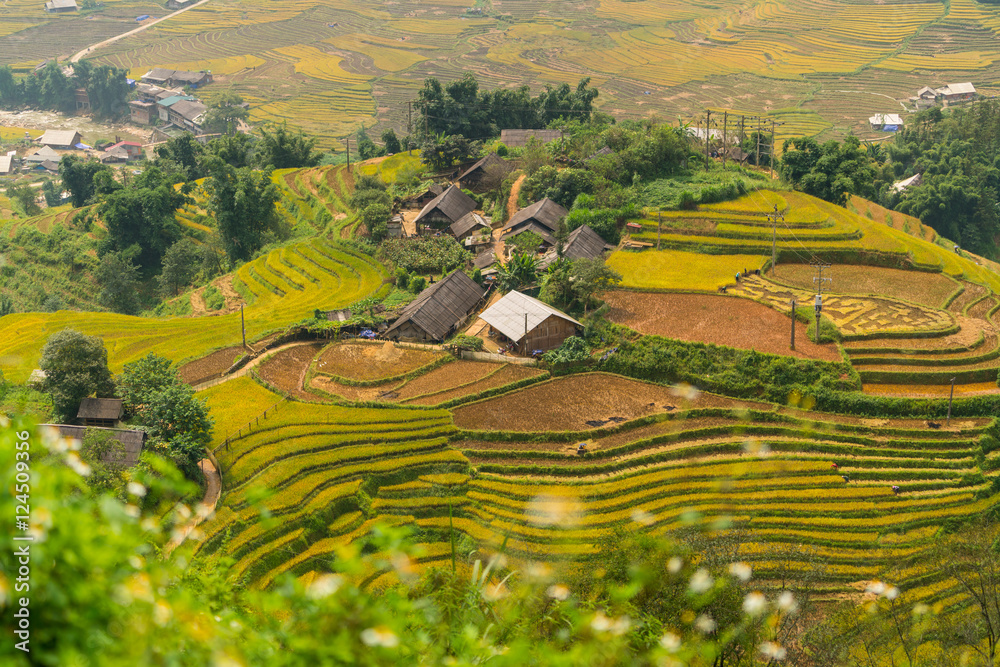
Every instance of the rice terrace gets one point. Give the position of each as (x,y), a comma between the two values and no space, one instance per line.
(508,332)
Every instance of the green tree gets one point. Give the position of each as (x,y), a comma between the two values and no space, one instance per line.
(391,141)
(520,271)
(591,277)
(443,152)
(107,89)
(142,214)
(52,197)
(106,457)
(78,178)
(367,148)
(225,115)
(525,242)
(243,203)
(75,366)
(179,267)
(376,219)
(281,149)
(56,89)
(24,195)
(174,411)
(236,150)
(10,91)
(119,279)
(184,154)
(572,349)
(140,379)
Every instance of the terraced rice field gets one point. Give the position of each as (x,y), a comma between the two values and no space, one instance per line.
(311,478)
(279,288)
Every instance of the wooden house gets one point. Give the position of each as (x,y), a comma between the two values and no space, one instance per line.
(105,412)
(6,165)
(60,6)
(427,195)
(470,224)
(64,139)
(542,218)
(529,323)
(131,442)
(43,154)
(582,243)
(957,92)
(438,310)
(483,173)
(446,209)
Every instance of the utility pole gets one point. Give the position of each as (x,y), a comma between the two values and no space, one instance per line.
(659,227)
(819,279)
(819,309)
(793,324)
(708,130)
(243,326)
(725,137)
(950,397)
(409,117)
(773,217)
(757,159)
(771,154)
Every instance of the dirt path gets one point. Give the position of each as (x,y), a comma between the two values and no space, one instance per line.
(198,308)
(213,491)
(81,54)
(515,193)
(232,297)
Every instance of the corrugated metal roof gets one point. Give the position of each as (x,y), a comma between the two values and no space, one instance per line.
(189,109)
(452,203)
(442,305)
(508,315)
(100,408)
(60,4)
(42,154)
(958,89)
(6,164)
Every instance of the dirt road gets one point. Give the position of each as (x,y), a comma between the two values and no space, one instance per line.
(93,47)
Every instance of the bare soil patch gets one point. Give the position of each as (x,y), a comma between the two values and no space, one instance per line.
(721,320)
(287,368)
(506,375)
(209,367)
(931,390)
(928,289)
(582,402)
(367,363)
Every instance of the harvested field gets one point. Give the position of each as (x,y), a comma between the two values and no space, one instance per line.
(972,293)
(287,369)
(928,289)
(721,320)
(931,390)
(346,391)
(449,376)
(506,375)
(969,332)
(582,402)
(372,362)
(209,367)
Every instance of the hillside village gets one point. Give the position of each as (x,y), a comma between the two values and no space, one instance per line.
(520,377)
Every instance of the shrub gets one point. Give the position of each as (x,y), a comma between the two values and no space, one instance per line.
(572,349)
(213,298)
(467,342)
(417,284)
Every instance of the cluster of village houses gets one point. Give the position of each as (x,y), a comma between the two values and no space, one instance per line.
(161,99)
(926,98)
(514,323)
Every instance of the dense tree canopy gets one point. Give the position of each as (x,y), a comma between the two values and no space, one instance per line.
(243,203)
(76,366)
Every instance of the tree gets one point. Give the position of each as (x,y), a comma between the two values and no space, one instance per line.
(367,148)
(184,154)
(281,149)
(10,91)
(443,152)
(119,279)
(525,242)
(56,89)
(142,215)
(52,197)
(226,114)
(572,349)
(106,456)
(24,195)
(236,150)
(590,277)
(375,219)
(107,87)
(75,366)
(140,379)
(175,411)
(243,203)
(78,178)
(179,267)
(392,145)
(519,271)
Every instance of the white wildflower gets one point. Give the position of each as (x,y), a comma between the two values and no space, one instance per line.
(132,510)
(701,581)
(741,571)
(754,604)
(670,642)
(493,592)
(380,636)
(643,517)
(773,651)
(324,585)
(78,464)
(891,593)
(705,624)
(674,565)
(136,489)
(557,592)
(786,602)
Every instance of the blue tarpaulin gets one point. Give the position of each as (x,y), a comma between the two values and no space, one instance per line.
(82,146)
(141,18)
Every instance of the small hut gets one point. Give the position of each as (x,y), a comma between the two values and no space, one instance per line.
(529,323)
(438,310)
(446,209)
